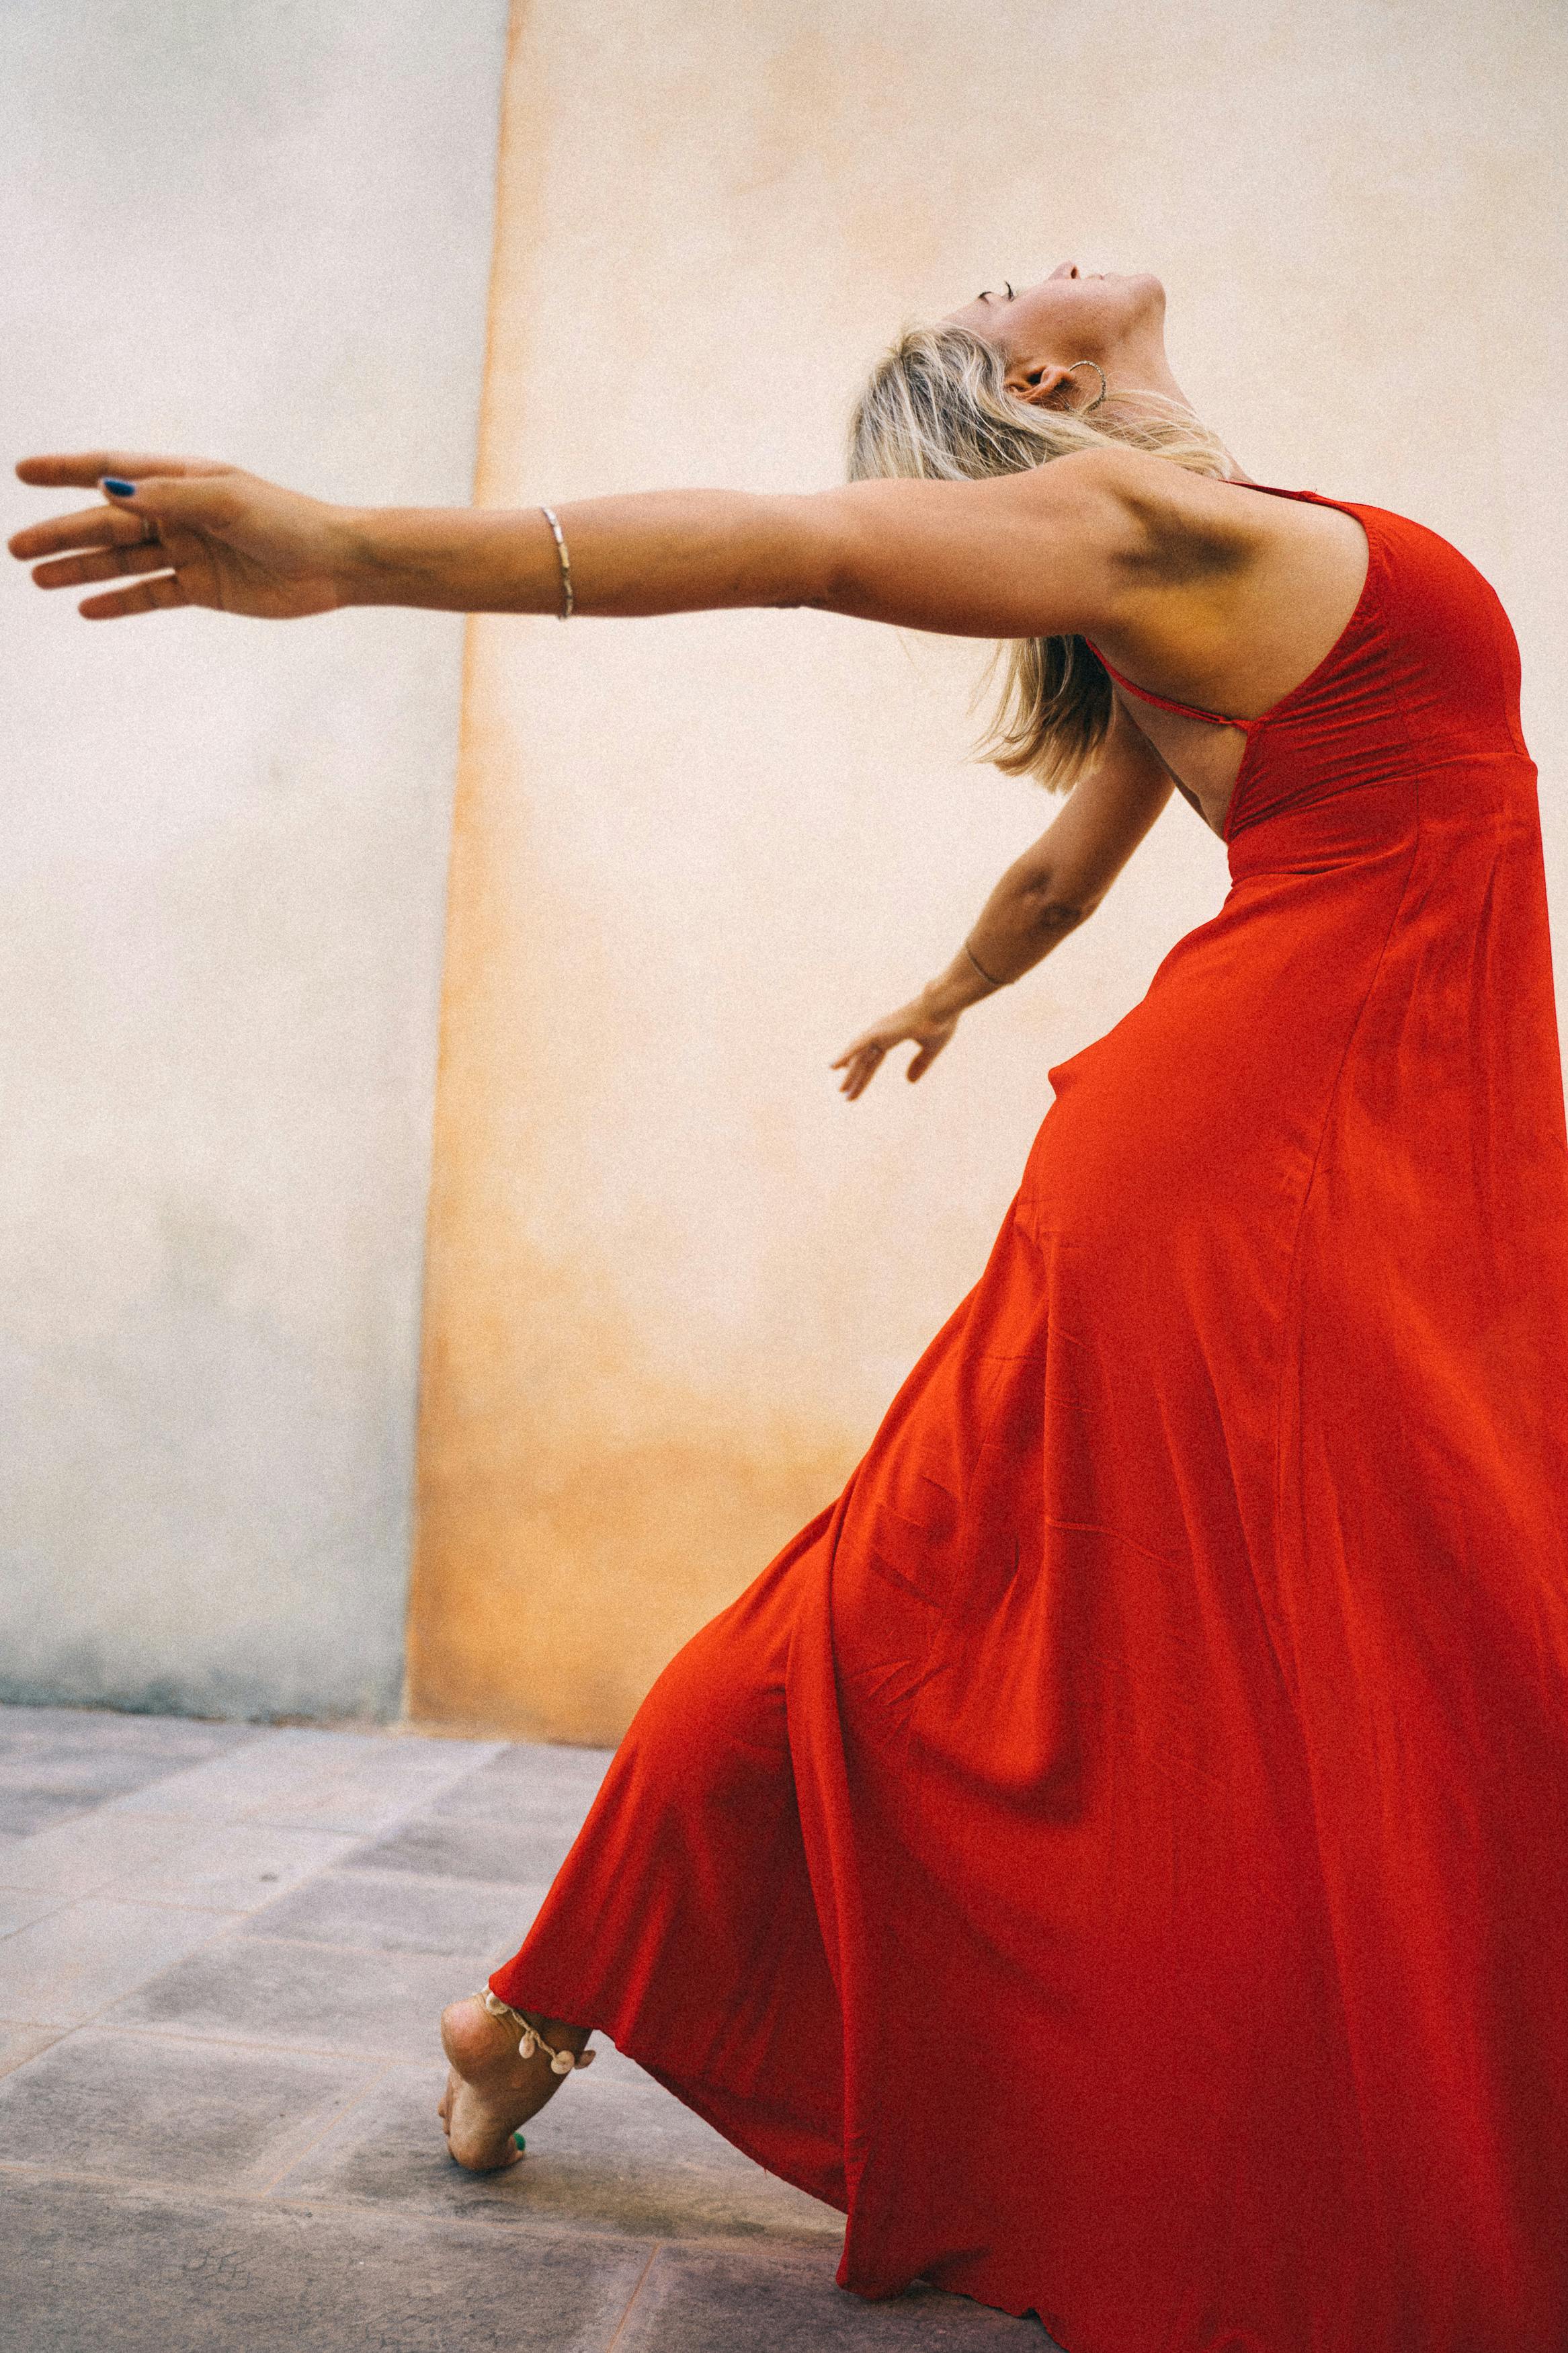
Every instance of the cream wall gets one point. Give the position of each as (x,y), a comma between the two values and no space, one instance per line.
(673,1278)
(260,228)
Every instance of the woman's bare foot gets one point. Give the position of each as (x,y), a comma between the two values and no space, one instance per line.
(491,2090)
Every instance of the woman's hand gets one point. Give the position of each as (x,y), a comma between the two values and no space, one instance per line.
(927,1022)
(190,533)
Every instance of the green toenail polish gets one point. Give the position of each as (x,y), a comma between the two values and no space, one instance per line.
(519,2140)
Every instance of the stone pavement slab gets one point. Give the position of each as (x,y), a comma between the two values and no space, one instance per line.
(137,2272)
(328,1781)
(65,1761)
(535,1781)
(163,1858)
(270,1774)
(105,1848)
(510,1850)
(62,1969)
(398,1914)
(148,2109)
(308,1997)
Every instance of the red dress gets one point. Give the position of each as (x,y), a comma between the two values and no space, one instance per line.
(1118,1853)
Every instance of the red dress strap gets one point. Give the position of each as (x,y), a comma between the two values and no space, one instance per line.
(1164,701)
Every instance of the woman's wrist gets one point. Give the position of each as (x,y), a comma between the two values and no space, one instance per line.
(446,559)
(405,555)
(367,560)
(952,992)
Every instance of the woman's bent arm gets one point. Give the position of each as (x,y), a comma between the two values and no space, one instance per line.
(1045,894)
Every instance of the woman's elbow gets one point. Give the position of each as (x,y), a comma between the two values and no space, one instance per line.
(1053,911)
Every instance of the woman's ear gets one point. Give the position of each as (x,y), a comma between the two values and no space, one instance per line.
(1041,383)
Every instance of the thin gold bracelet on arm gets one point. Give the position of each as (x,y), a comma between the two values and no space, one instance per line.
(980,968)
(563,559)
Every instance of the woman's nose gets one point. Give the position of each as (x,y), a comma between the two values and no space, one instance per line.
(1065,270)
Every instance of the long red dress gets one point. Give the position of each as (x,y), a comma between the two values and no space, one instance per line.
(1119,1854)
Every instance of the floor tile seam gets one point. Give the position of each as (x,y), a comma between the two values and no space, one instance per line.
(265,2190)
(636,2290)
(248,1817)
(102,1891)
(429,1879)
(127,1993)
(510,1814)
(37,2039)
(384,1953)
(204,1826)
(136,1805)
(198,2041)
(437,1778)
(116,1808)
(56,1903)
(441,1878)
(109,1890)
(23,1723)
(381,2062)
(355,1952)
(123,1803)
(191,2193)
(260,1817)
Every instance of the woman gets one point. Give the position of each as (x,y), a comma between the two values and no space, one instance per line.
(1119,1854)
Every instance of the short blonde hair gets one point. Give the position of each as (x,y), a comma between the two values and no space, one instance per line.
(937,408)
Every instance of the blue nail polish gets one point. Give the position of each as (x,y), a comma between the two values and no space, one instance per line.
(117,488)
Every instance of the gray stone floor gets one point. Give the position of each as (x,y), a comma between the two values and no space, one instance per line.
(221,1954)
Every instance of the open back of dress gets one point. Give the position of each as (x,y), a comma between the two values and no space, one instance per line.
(1119,1853)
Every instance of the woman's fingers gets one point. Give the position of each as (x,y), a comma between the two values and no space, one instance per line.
(120,563)
(84,469)
(92,527)
(871,1041)
(861,1066)
(160,594)
(857,1053)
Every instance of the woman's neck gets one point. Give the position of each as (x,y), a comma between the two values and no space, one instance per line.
(1144,370)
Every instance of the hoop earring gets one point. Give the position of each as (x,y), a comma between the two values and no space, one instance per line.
(1099,372)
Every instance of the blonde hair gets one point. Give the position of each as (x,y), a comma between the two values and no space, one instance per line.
(937,408)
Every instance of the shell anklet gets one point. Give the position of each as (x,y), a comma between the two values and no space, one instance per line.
(529,2039)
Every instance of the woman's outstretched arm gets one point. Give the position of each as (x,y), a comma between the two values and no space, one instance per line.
(1044,895)
(1082,545)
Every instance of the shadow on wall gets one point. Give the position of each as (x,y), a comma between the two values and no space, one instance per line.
(563,1558)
